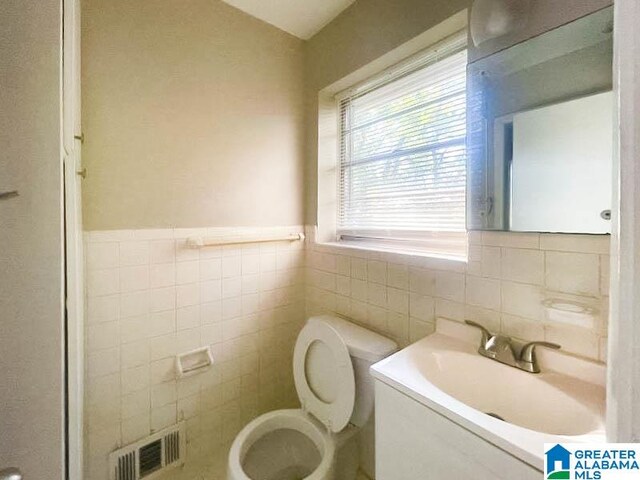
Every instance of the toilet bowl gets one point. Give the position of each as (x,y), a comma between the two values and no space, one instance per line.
(319,441)
(282,445)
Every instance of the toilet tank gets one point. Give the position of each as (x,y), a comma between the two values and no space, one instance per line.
(365,348)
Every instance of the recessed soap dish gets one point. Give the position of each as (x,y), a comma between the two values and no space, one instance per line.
(569,312)
(195,361)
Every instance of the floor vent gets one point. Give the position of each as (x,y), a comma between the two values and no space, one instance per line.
(149,456)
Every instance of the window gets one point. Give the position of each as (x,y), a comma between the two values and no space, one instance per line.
(402,158)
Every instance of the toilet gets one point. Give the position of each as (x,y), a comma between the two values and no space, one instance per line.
(331,435)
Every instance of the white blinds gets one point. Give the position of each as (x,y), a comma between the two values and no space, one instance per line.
(402,148)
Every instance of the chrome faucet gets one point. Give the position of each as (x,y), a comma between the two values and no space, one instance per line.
(502,349)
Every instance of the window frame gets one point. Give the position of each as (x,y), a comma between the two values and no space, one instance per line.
(323,203)
(436,243)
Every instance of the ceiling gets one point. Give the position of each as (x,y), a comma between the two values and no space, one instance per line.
(302,18)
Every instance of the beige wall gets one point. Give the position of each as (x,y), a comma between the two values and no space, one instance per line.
(193,116)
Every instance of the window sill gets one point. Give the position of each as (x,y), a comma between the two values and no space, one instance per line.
(371,250)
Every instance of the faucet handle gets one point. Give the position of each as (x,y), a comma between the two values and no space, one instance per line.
(486,334)
(528,352)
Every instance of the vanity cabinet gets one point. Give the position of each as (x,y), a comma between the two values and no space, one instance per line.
(414,442)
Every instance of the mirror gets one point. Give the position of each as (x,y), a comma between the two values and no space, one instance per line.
(540,132)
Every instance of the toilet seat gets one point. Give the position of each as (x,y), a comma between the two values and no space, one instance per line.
(323,375)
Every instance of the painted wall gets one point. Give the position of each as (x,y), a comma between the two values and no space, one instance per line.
(31,257)
(193,117)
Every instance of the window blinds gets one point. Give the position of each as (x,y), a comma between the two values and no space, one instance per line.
(402,168)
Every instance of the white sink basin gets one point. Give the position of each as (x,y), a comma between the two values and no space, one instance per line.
(444,372)
(548,402)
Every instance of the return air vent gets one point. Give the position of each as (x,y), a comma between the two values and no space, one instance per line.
(149,456)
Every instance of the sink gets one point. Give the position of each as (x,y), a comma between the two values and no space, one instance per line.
(548,402)
(513,409)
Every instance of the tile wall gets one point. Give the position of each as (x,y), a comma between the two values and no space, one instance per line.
(503,285)
(150,297)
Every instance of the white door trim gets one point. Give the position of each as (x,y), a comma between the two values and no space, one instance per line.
(74,258)
(623,388)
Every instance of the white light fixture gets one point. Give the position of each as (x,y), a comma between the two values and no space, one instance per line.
(494,18)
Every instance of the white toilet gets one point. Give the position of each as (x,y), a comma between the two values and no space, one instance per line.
(322,440)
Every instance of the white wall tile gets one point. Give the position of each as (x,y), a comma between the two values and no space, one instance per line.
(483,292)
(419,329)
(162,299)
(210,269)
(103,309)
(136,428)
(522,328)
(523,265)
(232,266)
(210,291)
(162,347)
(422,281)
(377,294)
(575,243)
(135,354)
(163,394)
(162,251)
(134,404)
(162,275)
(269,289)
(491,262)
(187,272)
(522,300)
(377,271)
(135,379)
(398,276)
(134,304)
(421,307)
(573,272)
(103,362)
(231,287)
(162,323)
(103,388)
(133,329)
(103,335)
(398,300)
(188,317)
(450,286)
(134,278)
(163,417)
(250,264)
(187,295)
(359,268)
(134,253)
(103,282)
(162,370)
(102,255)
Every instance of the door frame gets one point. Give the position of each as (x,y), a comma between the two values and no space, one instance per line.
(74,257)
(623,377)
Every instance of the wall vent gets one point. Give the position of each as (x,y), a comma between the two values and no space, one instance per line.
(149,456)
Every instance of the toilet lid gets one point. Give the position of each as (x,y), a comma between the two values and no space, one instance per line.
(323,375)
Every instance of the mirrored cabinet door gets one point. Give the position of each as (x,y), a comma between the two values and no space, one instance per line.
(540,132)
